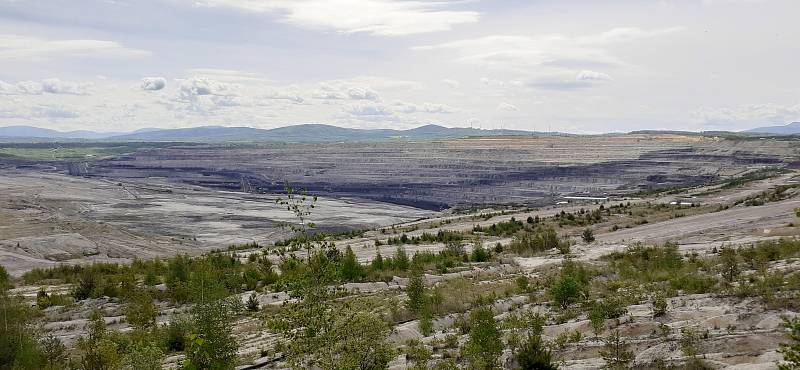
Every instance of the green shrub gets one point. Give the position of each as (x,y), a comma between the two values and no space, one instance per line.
(418,354)
(176,333)
(484,345)
(98,349)
(252,302)
(571,285)
(537,240)
(5,279)
(400,259)
(351,270)
(615,351)
(659,306)
(141,312)
(211,345)
(479,254)
(694,283)
(143,355)
(566,290)
(415,291)
(587,235)
(535,355)
(791,350)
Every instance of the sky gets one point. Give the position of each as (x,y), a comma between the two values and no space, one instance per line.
(541,65)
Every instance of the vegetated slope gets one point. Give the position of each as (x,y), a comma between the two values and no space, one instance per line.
(471,297)
(790,129)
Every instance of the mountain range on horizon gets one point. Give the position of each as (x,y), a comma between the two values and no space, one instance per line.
(294,133)
(789,129)
(297,133)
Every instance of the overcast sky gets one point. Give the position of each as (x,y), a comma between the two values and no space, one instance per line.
(576,66)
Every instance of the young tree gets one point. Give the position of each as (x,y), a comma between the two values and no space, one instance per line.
(377,262)
(300,204)
(176,333)
(211,345)
(18,346)
(587,235)
(177,279)
(479,253)
(690,342)
(42,299)
(597,320)
(143,356)
(791,350)
(615,351)
(351,269)
(426,321)
(54,353)
(252,303)
(99,351)
(484,346)
(534,355)
(730,263)
(400,259)
(5,280)
(571,284)
(418,354)
(320,334)
(205,283)
(358,340)
(416,294)
(141,312)
(455,248)
(565,291)
(87,286)
(659,306)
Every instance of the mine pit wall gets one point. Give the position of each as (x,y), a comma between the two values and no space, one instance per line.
(434,180)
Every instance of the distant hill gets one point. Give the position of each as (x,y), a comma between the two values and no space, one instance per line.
(310,133)
(790,129)
(295,133)
(36,132)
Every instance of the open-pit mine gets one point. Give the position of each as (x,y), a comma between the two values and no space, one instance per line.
(645,251)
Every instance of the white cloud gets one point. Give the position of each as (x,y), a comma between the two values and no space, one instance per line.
(565,81)
(545,55)
(49,86)
(749,114)
(153,83)
(24,47)
(52,112)
(408,108)
(370,110)
(379,17)
(361,93)
(338,90)
(398,108)
(226,75)
(451,83)
(228,101)
(193,87)
(291,96)
(592,76)
(19,110)
(507,107)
